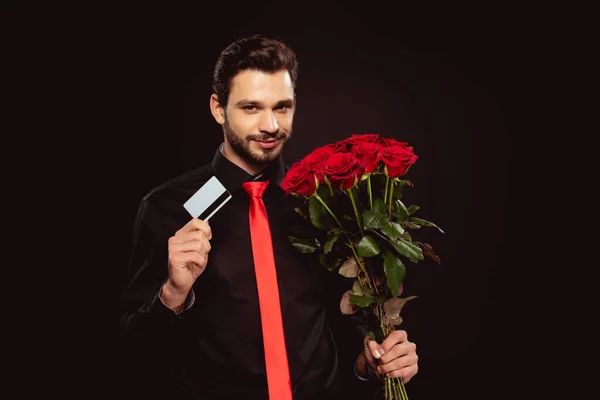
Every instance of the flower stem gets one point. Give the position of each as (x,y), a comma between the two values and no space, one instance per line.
(362,267)
(387,181)
(402,389)
(370,190)
(328,209)
(328,185)
(394,389)
(391,198)
(347,237)
(358,221)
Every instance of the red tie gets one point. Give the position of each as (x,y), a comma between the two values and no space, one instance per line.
(278,375)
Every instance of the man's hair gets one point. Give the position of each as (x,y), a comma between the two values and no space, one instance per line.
(257,52)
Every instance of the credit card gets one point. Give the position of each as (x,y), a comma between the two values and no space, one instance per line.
(207,200)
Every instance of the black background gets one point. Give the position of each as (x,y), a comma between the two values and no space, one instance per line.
(455,82)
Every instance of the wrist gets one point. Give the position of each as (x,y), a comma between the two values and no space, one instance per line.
(173,298)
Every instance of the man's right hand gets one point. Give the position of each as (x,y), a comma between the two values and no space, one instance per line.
(188,256)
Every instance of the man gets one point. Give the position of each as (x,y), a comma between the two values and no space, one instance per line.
(193,295)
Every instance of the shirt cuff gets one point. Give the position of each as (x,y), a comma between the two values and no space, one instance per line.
(369,371)
(189,301)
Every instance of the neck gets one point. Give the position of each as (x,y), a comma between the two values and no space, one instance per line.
(252,169)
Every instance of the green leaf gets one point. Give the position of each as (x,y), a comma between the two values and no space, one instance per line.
(423,222)
(408,249)
(413,209)
(379,206)
(400,210)
(329,262)
(329,243)
(323,191)
(303,245)
(318,214)
(392,230)
(336,231)
(357,290)
(361,301)
(394,272)
(367,247)
(406,236)
(373,220)
(410,225)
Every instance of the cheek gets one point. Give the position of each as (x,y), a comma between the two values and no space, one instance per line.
(285,122)
(242,125)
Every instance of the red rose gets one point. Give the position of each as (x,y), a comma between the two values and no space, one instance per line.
(338,147)
(368,154)
(361,138)
(389,142)
(397,158)
(316,158)
(299,180)
(342,169)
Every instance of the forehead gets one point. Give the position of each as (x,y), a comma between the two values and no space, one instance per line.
(261,86)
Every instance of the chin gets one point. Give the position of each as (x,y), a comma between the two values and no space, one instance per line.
(262,156)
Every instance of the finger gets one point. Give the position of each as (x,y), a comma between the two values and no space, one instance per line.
(187,237)
(200,246)
(375,348)
(406,372)
(196,224)
(185,259)
(398,362)
(399,350)
(394,338)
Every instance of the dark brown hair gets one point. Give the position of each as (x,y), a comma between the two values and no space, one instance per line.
(259,52)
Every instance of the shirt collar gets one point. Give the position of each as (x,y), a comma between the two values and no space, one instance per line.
(232,176)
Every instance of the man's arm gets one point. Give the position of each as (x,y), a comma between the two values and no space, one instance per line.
(141,310)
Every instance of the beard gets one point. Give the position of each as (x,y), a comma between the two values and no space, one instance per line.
(260,156)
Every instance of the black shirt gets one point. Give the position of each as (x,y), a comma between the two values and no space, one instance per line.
(216,344)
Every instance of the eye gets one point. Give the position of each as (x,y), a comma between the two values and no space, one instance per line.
(282,107)
(250,108)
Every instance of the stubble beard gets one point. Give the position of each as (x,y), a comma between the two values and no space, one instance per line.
(241,146)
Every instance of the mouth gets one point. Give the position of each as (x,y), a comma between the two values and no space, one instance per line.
(267,144)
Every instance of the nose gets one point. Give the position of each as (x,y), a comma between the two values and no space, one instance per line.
(268,122)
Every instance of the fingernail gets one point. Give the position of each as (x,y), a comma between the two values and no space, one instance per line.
(379,369)
(381,351)
(376,354)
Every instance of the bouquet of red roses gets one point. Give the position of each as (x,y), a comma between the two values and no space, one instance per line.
(353,190)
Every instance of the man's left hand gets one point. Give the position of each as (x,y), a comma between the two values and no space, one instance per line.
(396,357)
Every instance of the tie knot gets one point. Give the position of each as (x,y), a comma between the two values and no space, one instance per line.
(255,188)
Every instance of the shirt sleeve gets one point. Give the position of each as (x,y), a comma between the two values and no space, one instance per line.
(369,371)
(189,301)
(142,312)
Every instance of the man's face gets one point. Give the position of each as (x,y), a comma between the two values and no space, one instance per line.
(259,115)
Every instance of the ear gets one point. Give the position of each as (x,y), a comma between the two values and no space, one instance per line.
(217,109)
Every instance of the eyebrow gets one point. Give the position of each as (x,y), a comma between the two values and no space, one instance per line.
(247,102)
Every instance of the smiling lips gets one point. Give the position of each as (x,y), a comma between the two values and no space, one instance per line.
(267,144)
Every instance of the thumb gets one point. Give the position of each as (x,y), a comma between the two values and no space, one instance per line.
(372,351)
